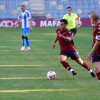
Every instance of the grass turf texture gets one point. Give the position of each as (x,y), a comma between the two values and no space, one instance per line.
(23,74)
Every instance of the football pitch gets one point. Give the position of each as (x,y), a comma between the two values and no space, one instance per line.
(23,74)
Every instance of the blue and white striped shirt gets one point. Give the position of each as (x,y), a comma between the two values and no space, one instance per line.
(25,16)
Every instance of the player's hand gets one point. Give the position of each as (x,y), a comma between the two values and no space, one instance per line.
(14,26)
(60,35)
(58,32)
(53,46)
(88,57)
(78,26)
(30,29)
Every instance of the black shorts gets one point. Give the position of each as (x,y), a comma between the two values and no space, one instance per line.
(95,57)
(74,30)
(72,54)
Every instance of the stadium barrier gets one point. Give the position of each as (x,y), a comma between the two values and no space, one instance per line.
(41,22)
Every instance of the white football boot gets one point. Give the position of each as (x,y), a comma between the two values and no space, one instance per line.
(22,48)
(28,48)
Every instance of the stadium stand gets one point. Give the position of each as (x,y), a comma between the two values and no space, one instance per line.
(37,8)
(9,9)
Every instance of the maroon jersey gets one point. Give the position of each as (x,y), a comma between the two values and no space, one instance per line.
(65,45)
(96,36)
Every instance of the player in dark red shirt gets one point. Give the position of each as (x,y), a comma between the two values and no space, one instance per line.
(95,52)
(64,37)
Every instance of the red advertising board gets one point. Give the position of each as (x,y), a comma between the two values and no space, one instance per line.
(40,22)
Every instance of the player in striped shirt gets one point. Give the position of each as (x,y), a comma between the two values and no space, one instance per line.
(26,26)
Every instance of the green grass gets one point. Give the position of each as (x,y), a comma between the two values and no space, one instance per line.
(22,71)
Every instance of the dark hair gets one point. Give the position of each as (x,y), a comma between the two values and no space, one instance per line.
(69,8)
(95,16)
(22,6)
(64,20)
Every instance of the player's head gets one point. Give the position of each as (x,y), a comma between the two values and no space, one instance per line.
(94,17)
(63,23)
(22,7)
(69,10)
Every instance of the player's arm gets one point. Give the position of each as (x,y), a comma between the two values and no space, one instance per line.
(88,56)
(30,20)
(54,43)
(78,19)
(96,45)
(65,38)
(18,20)
(30,24)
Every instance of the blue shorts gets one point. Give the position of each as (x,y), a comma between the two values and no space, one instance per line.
(95,57)
(72,54)
(25,31)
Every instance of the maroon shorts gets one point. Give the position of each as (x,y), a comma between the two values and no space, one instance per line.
(72,54)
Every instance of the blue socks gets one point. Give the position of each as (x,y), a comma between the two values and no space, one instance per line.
(27,42)
(23,41)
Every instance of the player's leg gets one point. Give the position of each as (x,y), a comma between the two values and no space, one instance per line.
(74,32)
(96,67)
(75,56)
(27,40)
(96,64)
(62,60)
(85,65)
(23,40)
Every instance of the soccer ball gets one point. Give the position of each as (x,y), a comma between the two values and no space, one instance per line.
(51,75)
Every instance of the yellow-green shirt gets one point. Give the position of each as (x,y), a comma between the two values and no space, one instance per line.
(71,20)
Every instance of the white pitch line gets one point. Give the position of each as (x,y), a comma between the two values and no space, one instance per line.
(8,50)
(19,65)
(16,78)
(38,90)
(30,40)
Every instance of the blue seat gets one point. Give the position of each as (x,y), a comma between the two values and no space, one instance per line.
(1,2)
(89,3)
(60,15)
(71,3)
(2,14)
(90,10)
(27,7)
(86,15)
(78,7)
(73,7)
(86,6)
(60,11)
(13,5)
(8,15)
(14,16)
(83,2)
(19,2)
(65,3)
(54,16)
(2,11)
(97,10)
(77,2)
(80,15)
(58,2)
(7,5)
(53,7)
(54,11)
(48,11)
